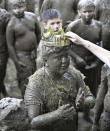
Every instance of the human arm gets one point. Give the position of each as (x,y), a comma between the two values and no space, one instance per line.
(10,42)
(84,98)
(101,53)
(80,62)
(43,120)
(38,36)
(37,30)
(100,99)
(10,37)
(95,64)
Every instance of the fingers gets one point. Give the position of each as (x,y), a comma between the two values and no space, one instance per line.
(82,94)
(80,91)
(68,114)
(64,106)
(67,107)
(72,39)
(69,34)
(71,109)
(80,98)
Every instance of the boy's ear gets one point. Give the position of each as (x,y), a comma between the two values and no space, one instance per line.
(44,25)
(79,12)
(95,11)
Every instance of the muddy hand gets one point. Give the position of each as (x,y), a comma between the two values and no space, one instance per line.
(80,98)
(66,111)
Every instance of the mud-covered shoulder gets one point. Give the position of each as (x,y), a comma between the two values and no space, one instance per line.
(73,25)
(98,23)
(30,14)
(33,92)
(38,75)
(75,72)
(11,23)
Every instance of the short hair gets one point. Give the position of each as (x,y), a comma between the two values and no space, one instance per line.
(85,3)
(50,14)
(19,3)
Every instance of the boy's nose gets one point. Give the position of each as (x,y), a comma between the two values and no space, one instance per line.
(64,59)
(87,13)
(56,26)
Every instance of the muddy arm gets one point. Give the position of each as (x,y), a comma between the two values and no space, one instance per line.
(84,96)
(80,62)
(37,30)
(10,42)
(100,99)
(41,121)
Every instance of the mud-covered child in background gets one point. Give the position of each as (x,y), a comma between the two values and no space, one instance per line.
(91,30)
(23,36)
(4,18)
(67,9)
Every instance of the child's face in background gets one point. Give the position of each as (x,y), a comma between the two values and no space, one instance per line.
(18,11)
(87,14)
(54,24)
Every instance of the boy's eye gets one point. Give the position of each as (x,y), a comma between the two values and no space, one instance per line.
(58,23)
(52,23)
(84,11)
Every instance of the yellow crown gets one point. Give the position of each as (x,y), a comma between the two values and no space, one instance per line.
(55,38)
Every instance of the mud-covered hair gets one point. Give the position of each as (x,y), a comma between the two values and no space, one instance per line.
(47,51)
(50,14)
(18,3)
(85,3)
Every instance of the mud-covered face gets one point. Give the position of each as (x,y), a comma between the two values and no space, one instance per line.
(87,14)
(54,24)
(58,62)
(18,10)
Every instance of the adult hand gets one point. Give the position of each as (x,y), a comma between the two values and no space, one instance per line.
(74,38)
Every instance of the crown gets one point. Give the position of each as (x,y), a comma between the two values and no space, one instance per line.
(55,38)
